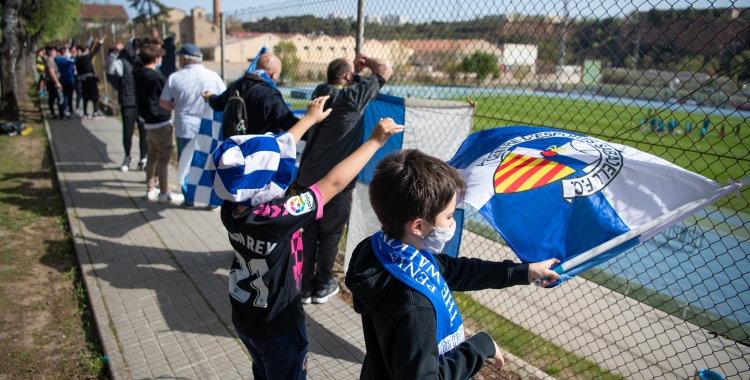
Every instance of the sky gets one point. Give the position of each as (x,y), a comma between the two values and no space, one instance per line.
(442,10)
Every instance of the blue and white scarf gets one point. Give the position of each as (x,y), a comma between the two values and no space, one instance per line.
(419,270)
(262,73)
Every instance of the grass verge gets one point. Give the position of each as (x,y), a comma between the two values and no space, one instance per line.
(46,328)
(526,345)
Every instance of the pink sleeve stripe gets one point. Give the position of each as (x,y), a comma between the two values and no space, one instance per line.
(318,200)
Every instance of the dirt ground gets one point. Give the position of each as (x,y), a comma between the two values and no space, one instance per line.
(46,328)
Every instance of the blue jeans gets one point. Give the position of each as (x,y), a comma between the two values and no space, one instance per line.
(181,143)
(284,357)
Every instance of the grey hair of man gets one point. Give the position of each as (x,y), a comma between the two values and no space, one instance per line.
(193,59)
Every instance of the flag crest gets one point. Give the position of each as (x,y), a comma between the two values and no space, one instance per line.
(557,194)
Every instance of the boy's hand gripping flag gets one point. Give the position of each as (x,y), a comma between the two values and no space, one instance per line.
(558,194)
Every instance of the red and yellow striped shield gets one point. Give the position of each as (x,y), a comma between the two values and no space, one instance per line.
(520,173)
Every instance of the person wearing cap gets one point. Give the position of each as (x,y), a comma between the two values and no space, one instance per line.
(182,93)
(263,227)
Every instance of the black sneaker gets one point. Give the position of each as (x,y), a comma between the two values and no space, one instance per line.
(305,296)
(322,295)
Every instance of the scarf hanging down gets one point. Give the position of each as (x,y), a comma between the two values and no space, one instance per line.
(419,271)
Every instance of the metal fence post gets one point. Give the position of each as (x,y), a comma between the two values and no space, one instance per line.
(223,47)
(563,46)
(360,26)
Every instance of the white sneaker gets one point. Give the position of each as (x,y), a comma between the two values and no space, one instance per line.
(126,164)
(152,195)
(171,198)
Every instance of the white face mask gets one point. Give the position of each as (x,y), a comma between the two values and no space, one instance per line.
(436,240)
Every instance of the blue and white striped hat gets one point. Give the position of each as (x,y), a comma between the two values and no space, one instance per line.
(253,169)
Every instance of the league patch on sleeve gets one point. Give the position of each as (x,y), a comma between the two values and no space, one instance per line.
(300,204)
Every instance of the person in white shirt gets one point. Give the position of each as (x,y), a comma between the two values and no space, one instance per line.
(182,93)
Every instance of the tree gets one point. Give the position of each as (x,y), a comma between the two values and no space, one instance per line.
(453,69)
(481,63)
(8,53)
(40,21)
(694,64)
(25,24)
(149,11)
(287,53)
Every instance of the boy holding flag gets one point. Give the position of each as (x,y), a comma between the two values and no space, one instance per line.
(401,284)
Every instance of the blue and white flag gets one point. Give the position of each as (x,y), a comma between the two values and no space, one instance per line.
(558,194)
(435,127)
(192,170)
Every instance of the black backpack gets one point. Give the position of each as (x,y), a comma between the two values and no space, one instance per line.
(235,114)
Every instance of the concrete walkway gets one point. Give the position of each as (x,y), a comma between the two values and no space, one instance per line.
(157,274)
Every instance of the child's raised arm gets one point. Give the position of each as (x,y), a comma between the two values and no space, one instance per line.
(346,170)
(314,115)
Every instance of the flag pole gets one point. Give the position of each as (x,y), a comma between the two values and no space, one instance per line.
(648,230)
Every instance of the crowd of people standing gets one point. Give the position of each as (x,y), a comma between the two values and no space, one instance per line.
(67,71)
(285,260)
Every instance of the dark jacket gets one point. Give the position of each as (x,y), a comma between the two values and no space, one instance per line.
(399,322)
(266,109)
(86,75)
(342,132)
(126,94)
(148,86)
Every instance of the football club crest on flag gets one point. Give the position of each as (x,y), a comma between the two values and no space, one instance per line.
(558,194)
(533,161)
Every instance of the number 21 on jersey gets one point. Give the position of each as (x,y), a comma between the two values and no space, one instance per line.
(253,268)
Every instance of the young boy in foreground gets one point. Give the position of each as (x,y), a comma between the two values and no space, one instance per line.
(251,173)
(402,286)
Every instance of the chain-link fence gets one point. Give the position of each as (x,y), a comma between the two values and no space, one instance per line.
(668,78)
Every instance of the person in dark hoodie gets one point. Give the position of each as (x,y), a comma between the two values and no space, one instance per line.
(401,284)
(122,62)
(149,82)
(87,77)
(265,104)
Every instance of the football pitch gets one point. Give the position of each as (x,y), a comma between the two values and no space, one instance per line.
(714,156)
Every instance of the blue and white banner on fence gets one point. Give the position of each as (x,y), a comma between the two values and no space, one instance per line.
(581,200)
(192,170)
(435,127)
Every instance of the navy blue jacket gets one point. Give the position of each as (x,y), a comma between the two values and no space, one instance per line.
(266,109)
